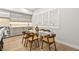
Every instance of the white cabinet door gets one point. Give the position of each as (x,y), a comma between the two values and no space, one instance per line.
(46,17)
(4,14)
(20,17)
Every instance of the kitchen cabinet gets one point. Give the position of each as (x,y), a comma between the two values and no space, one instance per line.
(16,17)
(48,17)
(4,14)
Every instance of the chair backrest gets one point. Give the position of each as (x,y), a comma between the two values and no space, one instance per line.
(31,35)
(25,35)
(23,32)
(50,38)
(35,35)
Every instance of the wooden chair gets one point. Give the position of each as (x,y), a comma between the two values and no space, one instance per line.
(32,38)
(49,40)
(24,37)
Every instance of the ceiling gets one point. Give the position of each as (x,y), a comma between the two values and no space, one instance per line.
(22,10)
(32,9)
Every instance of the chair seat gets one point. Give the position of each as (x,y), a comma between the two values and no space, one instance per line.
(24,36)
(50,40)
(30,38)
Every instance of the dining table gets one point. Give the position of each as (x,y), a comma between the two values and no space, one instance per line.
(41,33)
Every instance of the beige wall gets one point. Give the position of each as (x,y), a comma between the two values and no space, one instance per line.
(4,22)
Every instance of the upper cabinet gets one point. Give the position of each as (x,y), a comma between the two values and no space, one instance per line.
(47,17)
(16,17)
(4,14)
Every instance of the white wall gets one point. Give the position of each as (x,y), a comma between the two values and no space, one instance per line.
(69,27)
(68,31)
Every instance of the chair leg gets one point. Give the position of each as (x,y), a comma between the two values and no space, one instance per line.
(55,46)
(26,43)
(31,45)
(22,40)
(38,42)
(42,45)
(49,48)
(0,48)
(35,43)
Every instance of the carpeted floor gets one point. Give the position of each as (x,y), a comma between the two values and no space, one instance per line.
(15,44)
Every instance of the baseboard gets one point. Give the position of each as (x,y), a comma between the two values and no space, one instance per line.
(70,45)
